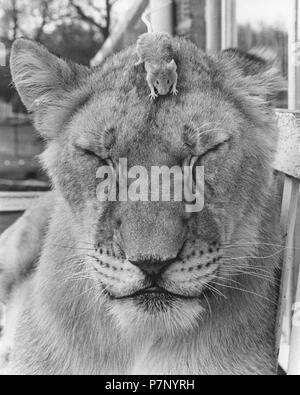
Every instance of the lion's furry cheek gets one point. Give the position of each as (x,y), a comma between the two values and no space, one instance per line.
(179,317)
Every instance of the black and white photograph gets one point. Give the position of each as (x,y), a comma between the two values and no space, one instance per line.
(150,190)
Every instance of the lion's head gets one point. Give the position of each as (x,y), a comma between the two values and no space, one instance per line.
(153,263)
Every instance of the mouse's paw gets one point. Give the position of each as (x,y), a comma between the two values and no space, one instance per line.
(153,96)
(175,91)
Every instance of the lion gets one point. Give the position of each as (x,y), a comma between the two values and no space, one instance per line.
(135,287)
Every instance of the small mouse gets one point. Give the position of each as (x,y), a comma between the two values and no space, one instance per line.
(156,52)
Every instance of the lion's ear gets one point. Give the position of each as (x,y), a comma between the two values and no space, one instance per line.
(249,63)
(45,83)
(254,74)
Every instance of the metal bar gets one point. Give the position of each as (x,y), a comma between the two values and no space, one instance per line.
(294,359)
(288,222)
(213,25)
(294,64)
(294,104)
(229,24)
(162,19)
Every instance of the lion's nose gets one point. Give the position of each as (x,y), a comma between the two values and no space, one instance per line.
(153,267)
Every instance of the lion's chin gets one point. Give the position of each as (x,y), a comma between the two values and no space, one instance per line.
(157,314)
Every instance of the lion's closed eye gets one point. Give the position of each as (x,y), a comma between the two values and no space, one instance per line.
(216,152)
(87,151)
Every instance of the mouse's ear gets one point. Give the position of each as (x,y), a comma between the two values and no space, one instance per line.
(172,65)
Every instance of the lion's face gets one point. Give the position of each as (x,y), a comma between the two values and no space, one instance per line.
(154,262)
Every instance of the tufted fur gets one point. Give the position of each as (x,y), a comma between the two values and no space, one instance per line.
(76,317)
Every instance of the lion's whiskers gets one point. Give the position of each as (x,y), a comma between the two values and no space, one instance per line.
(246,291)
(237,245)
(247,272)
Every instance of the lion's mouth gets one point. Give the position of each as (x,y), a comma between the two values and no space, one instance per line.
(154,292)
(150,291)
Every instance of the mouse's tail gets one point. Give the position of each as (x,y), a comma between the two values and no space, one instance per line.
(147,20)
